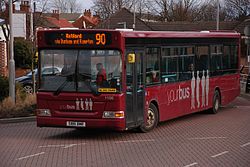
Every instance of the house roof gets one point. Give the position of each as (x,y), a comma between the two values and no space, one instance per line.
(124,16)
(90,21)
(45,20)
(61,23)
(71,17)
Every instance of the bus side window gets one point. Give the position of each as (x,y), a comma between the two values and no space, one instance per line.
(202,59)
(216,60)
(169,65)
(186,63)
(152,65)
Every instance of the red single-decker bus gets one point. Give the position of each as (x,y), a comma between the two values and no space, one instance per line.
(133,79)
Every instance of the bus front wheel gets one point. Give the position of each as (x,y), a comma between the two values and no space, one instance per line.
(152,119)
(216,102)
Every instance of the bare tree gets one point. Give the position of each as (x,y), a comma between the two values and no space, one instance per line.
(160,7)
(237,9)
(60,5)
(74,6)
(65,6)
(207,11)
(105,8)
(42,6)
(177,10)
(174,10)
(4,4)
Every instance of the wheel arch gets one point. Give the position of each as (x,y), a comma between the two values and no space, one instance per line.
(155,103)
(218,89)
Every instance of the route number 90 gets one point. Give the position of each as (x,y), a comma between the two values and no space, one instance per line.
(100,39)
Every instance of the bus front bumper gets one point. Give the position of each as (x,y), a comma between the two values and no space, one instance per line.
(116,124)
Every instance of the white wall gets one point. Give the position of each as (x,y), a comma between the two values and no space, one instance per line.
(19,25)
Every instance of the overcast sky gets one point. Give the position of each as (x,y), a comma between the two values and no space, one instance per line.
(86,4)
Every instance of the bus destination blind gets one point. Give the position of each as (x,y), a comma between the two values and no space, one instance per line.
(78,39)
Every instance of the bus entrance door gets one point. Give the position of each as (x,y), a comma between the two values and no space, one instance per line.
(135,92)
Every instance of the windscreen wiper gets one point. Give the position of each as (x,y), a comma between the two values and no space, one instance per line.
(60,88)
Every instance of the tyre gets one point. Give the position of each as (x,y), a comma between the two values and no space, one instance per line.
(28,89)
(152,119)
(216,102)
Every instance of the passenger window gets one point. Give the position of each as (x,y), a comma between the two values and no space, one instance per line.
(202,60)
(152,65)
(216,60)
(169,65)
(186,63)
(230,61)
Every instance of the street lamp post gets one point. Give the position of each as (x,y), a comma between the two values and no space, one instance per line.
(218,16)
(11,54)
(134,16)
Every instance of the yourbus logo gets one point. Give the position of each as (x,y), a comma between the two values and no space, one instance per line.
(179,94)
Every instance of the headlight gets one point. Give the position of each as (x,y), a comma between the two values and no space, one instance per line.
(43,112)
(113,114)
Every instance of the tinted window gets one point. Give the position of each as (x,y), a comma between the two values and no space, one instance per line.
(202,58)
(152,65)
(186,63)
(169,64)
(216,60)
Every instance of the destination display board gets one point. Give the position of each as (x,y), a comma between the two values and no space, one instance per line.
(96,39)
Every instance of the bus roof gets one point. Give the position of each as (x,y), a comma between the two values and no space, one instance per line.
(180,34)
(159,34)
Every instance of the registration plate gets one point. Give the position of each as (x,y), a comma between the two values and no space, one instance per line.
(76,124)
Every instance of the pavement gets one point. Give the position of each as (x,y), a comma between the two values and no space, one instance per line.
(245,95)
(17,120)
(33,118)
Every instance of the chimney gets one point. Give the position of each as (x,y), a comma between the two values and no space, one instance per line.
(87,13)
(55,14)
(25,7)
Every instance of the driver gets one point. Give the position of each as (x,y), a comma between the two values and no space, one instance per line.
(101,76)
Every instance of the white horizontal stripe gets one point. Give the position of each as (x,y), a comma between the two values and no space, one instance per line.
(29,156)
(62,145)
(134,141)
(244,145)
(206,138)
(52,146)
(225,152)
(195,163)
(70,145)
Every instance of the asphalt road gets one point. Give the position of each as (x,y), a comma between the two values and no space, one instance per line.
(196,140)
